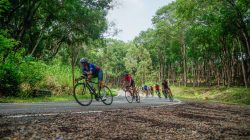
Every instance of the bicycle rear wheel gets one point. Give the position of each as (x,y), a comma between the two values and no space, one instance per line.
(82,94)
(165,93)
(106,95)
(171,98)
(138,98)
(128,96)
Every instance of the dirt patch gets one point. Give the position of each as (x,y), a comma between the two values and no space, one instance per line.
(191,120)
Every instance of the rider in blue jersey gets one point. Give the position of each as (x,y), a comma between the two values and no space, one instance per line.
(92,71)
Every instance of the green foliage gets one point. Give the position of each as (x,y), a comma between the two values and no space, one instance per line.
(46,26)
(222,94)
(138,62)
(4,6)
(32,73)
(113,56)
(6,43)
(9,80)
(189,39)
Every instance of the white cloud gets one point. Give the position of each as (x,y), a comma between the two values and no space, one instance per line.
(134,16)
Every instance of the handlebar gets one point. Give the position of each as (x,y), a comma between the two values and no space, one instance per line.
(84,76)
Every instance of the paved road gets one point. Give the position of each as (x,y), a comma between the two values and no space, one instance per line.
(52,108)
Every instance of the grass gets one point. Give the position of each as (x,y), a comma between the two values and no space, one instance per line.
(36,99)
(234,95)
(60,98)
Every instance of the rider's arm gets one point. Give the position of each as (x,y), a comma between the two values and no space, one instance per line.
(90,72)
(130,81)
(123,82)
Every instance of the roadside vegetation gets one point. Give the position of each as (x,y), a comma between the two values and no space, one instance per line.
(233,95)
(199,43)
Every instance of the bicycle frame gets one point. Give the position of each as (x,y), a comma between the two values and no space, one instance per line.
(93,90)
(86,89)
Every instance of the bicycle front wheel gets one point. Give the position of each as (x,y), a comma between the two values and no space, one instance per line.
(82,94)
(128,96)
(106,95)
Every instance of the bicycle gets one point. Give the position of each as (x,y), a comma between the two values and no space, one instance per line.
(168,94)
(158,93)
(131,97)
(84,92)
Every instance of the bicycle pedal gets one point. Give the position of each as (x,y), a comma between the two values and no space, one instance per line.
(97,99)
(104,98)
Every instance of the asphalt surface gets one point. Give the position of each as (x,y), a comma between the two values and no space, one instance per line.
(52,108)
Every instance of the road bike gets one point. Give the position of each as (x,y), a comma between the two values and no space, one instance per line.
(168,94)
(84,92)
(158,93)
(130,96)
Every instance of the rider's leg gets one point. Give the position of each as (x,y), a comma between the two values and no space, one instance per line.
(101,84)
(133,87)
(166,93)
(90,77)
(159,93)
(100,79)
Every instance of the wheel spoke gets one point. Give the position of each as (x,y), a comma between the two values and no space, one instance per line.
(82,94)
(128,96)
(106,96)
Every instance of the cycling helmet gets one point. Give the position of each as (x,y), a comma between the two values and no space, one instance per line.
(126,73)
(83,60)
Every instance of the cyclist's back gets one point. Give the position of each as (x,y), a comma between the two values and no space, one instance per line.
(165,85)
(92,67)
(129,80)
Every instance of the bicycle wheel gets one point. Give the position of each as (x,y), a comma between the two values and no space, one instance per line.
(106,95)
(165,93)
(171,98)
(159,95)
(138,98)
(128,96)
(82,94)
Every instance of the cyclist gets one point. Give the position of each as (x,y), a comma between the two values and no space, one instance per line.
(165,88)
(92,71)
(146,89)
(157,90)
(152,91)
(128,81)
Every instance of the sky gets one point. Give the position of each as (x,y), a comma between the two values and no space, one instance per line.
(134,16)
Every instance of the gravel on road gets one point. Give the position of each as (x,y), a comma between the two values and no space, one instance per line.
(190,120)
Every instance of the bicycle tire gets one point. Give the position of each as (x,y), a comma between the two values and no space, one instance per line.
(171,98)
(138,98)
(128,96)
(165,94)
(82,94)
(159,95)
(105,91)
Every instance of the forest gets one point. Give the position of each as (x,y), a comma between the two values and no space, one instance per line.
(193,43)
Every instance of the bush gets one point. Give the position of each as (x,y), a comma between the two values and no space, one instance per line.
(31,75)
(9,80)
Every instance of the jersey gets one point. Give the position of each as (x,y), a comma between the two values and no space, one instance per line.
(165,85)
(127,78)
(92,68)
(157,87)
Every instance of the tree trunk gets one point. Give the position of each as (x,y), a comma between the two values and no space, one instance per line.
(193,74)
(73,66)
(242,66)
(184,66)
(37,42)
(28,18)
